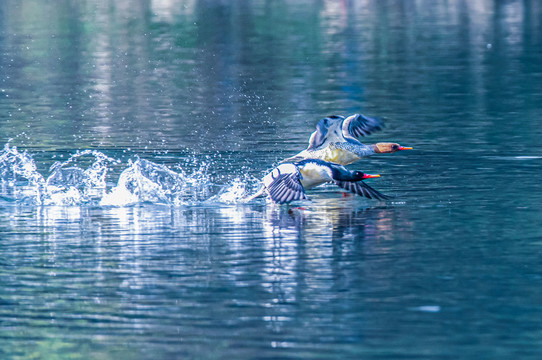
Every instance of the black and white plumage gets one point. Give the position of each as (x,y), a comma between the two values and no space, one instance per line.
(288,182)
(335,140)
(283,184)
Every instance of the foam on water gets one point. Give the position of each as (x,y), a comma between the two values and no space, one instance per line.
(82,180)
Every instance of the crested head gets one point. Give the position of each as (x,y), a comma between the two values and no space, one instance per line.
(359,175)
(386,148)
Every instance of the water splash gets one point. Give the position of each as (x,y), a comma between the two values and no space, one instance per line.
(20,179)
(144,181)
(237,190)
(69,184)
(83,180)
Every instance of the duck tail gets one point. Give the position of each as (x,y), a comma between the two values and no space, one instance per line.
(293,159)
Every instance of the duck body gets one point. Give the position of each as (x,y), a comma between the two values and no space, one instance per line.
(314,173)
(343,153)
(335,140)
(288,181)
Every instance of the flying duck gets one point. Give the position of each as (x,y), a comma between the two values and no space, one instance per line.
(288,181)
(335,140)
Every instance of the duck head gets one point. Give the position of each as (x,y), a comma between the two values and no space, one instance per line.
(386,148)
(358,175)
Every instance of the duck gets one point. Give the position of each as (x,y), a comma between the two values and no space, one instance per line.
(288,181)
(335,140)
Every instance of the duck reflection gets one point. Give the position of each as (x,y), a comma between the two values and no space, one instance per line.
(330,249)
(337,219)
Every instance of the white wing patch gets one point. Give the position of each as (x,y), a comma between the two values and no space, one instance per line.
(315,174)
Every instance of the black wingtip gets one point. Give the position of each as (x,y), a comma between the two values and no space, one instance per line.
(362,189)
(376,194)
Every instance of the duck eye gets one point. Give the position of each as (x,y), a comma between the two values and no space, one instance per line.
(395,147)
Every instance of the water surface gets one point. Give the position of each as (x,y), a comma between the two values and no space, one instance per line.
(132,130)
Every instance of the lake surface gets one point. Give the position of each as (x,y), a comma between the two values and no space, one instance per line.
(132,130)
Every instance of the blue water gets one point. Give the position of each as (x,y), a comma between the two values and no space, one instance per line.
(131,132)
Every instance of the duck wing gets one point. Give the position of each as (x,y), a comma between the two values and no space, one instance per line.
(362,189)
(360,125)
(336,128)
(327,129)
(284,184)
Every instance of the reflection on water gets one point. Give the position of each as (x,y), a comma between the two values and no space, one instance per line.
(136,126)
(158,75)
(135,272)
